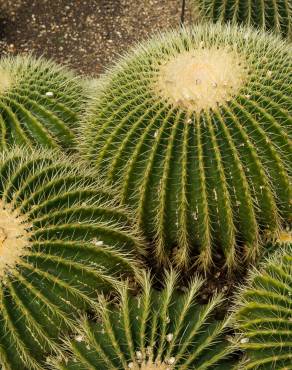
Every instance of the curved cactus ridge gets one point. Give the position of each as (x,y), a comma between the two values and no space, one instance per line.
(263,315)
(194,127)
(63,239)
(154,330)
(275,15)
(40,103)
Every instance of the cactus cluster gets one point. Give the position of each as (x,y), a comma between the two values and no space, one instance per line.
(159,330)
(184,159)
(40,103)
(263,314)
(275,15)
(63,239)
(193,128)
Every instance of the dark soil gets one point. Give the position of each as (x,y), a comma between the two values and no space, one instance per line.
(85,34)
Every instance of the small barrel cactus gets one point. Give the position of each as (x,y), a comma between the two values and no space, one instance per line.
(273,15)
(63,238)
(264,314)
(156,330)
(40,103)
(194,127)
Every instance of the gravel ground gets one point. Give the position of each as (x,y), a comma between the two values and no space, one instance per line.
(86,34)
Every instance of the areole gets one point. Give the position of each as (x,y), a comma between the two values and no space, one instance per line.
(150,366)
(201,79)
(14,238)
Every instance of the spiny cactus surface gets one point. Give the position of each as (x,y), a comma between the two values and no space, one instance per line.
(156,330)
(40,103)
(194,127)
(63,239)
(273,15)
(264,314)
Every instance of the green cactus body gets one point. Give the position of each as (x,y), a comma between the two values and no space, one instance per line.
(264,314)
(156,330)
(194,127)
(40,103)
(273,15)
(63,239)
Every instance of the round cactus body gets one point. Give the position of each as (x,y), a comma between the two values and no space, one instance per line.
(156,330)
(194,128)
(273,15)
(40,103)
(263,315)
(63,239)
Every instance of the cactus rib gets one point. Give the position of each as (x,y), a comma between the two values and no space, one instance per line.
(159,330)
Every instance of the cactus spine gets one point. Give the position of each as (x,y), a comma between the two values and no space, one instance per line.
(194,127)
(273,15)
(40,103)
(62,239)
(263,315)
(155,330)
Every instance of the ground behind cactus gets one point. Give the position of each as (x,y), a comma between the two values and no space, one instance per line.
(87,34)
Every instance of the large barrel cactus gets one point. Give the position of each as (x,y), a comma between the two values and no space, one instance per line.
(40,103)
(156,330)
(193,126)
(273,15)
(263,316)
(63,239)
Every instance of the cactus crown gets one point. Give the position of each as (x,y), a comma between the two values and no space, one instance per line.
(156,330)
(193,128)
(285,237)
(273,15)
(40,103)
(14,238)
(202,79)
(263,313)
(5,81)
(63,238)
